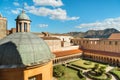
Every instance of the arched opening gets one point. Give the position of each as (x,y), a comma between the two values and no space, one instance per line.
(36,77)
(117,62)
(20,27)
(25,27)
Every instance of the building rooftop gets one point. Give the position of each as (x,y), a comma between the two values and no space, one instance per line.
(23,15)
(114,36)
(50,38)
(24,49)
(68,52)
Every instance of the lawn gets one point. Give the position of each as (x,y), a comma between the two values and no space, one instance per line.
(70,74)
(82,63)
(116,72)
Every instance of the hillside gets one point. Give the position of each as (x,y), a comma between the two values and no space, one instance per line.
(94,33)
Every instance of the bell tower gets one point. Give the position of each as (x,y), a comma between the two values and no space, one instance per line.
(23,22)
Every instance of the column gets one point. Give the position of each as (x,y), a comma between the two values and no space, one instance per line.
(22,27)
(18,27)
(28,27)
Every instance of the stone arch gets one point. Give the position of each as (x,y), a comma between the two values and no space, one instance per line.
(110,61)
(107,59)
(96,58)
(113,61)
(99,58)
(117,61)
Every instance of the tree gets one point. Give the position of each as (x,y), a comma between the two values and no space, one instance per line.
(58,71)
(102,70)
(96,66)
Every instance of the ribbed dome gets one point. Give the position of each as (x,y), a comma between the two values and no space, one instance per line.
(23,15)
(23,49)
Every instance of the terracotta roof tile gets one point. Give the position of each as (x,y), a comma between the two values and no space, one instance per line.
(50,38)
(68,52)
(114,36)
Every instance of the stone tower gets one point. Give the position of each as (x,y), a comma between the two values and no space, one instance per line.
(23,22)
(3,26)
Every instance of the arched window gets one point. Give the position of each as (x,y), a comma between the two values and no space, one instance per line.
(25,27)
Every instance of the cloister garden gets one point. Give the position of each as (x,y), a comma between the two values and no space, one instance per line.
(85,70)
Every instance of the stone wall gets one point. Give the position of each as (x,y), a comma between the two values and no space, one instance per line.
(3,27)
(104,50)
(39,72)
(54,45)
(101,45)
(65,39)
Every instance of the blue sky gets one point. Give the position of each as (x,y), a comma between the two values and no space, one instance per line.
(61,16)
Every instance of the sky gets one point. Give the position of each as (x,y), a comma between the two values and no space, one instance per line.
(61,16)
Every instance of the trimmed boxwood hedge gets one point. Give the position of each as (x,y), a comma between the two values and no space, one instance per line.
(116,73)
(79,66)
(80,74)
(58,71)
(109,77)
(87,63)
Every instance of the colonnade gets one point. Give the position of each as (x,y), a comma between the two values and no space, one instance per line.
(101,58)
(64,59)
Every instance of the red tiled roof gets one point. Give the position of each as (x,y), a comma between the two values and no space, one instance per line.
(50,38)
(113,54)
(114,36)
(68,52)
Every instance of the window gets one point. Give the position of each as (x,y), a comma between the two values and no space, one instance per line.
(116,42)
(32,78)
(36,77)
(110,42)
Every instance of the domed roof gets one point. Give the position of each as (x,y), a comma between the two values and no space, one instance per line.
(23,49)
(23,15)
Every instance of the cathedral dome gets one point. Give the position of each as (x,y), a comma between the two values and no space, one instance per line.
(23,49)
(23,16)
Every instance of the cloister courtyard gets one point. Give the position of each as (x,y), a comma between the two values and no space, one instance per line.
(86,70)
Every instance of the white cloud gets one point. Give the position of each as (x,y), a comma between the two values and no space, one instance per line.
(54,3)
(17,11)
(55,14)
(16,3)
(42,25)
(107,23)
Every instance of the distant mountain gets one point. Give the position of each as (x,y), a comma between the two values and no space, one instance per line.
(94,33)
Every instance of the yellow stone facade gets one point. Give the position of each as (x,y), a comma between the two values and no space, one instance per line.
(3,27)
(39,72)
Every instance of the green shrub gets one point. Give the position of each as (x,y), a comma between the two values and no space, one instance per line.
(80,74)
(102,77)
(58,71)
(96,66)
(102,70)
(115,72)
(87,63)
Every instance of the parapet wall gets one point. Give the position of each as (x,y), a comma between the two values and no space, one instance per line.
(101,45)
